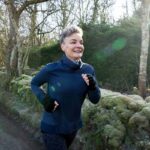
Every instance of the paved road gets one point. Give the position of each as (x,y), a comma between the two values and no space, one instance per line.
(14,137)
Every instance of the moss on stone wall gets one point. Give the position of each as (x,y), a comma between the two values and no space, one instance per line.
(117,122)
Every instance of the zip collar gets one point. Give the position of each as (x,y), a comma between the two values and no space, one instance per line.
(71,64)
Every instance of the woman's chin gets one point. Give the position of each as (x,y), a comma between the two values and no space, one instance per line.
(78,57)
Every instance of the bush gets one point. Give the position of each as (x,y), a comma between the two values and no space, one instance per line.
(117,122)
(44,55)
(21,87)
(114,52)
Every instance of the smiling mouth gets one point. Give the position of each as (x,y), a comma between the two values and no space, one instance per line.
(78,51)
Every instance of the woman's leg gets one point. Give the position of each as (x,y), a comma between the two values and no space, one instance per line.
(69,138)
(54,142)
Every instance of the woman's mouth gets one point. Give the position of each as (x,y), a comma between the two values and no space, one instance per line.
(78,51)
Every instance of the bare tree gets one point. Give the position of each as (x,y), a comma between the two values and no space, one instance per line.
(13,52)
(33,18)
(32,10)
(83,12)
(95,11)
(134,5)
(65,15)
(3,33)
(104,10)
(144,47)
(127,9)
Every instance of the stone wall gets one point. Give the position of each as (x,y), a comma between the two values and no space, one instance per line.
(117,122)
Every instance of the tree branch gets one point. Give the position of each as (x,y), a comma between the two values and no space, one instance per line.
(10,4)
(29,2)
(45,18)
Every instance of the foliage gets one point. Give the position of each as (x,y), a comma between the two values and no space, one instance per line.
(43,55)
(21,87)
(117,122)
(114,52)
(3,78)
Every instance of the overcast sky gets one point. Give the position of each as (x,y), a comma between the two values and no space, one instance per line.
(119,8)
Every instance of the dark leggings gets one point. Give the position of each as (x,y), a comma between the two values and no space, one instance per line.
(58,141)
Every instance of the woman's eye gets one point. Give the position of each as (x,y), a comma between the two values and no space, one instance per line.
(73,42)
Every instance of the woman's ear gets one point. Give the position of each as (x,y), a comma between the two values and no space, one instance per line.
(62,46)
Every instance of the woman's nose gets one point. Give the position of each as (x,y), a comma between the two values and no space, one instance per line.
(79,44)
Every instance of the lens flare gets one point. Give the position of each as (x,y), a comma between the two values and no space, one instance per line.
(119,44)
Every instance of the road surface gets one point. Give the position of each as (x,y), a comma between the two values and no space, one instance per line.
(14,137)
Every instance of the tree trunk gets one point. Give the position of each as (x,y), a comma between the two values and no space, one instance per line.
(11,60)
(33,18)
(95,11)
(134,4)
(32,37)
(13,52)
(144,48)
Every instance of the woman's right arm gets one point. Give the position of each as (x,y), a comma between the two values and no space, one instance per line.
(39,79)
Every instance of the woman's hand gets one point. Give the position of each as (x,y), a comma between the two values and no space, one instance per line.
(84,76)
(50,104)
(55,105)
(90,81)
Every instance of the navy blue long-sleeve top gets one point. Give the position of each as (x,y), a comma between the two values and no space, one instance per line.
(67,87)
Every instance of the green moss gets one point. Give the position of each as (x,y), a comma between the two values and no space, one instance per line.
(146,111)
(117,122)
(114,135)
(111,101)
(138,120)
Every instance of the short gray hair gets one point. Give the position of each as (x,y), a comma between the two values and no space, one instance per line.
(69,31)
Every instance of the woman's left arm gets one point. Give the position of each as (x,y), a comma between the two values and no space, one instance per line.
(94,93)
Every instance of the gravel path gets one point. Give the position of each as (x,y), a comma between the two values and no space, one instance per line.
(14,137)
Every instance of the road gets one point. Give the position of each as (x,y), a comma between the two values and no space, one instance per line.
(14,137)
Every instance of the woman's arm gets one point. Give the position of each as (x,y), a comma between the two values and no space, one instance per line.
(94,93)
(39,79)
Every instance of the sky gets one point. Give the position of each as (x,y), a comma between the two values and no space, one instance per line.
(119,8)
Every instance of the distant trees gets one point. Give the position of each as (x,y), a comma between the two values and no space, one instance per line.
(61,12)
(3,33)
(13,53)
(65,14)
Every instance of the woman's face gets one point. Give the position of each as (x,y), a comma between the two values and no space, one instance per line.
(73,46)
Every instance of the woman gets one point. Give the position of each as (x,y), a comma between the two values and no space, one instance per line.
(69,80)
